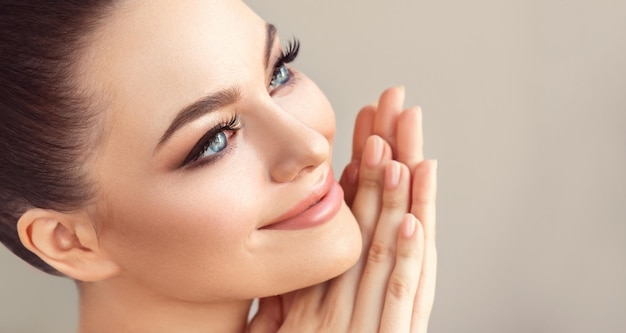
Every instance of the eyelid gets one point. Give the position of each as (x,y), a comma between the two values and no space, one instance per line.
(233,124)
(288,54)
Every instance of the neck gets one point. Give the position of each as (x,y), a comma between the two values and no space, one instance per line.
(105,307)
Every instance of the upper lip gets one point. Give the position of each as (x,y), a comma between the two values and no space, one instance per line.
(313,197)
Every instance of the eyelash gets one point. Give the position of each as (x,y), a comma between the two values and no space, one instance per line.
(231,125)
(288,55)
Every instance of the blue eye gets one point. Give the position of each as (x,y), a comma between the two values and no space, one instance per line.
(282,74)
(215,145)
(280,77)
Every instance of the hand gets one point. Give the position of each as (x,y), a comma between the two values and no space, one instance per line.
(377,294)
(381,290)
(403,130)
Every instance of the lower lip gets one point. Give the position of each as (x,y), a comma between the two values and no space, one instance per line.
(315,215)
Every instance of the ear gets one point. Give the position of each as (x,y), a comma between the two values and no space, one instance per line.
(66,241)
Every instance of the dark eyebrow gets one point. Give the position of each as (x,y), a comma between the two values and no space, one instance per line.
(216,100)
(269,42)
(199,108)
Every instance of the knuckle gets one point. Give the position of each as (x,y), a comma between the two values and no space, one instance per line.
(398,287)
(370,182)
(379,252)
(394,201)
(408,253)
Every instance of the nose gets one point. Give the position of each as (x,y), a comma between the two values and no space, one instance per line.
(293,146)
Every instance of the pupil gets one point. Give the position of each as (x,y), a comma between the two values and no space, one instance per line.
(282,75)
(218,143)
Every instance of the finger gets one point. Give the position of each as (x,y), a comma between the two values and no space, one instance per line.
(368,199)
(389,108)
(349,180)
(268,318)
(424,193)
(403,282)
(366,209)
(363,129)
(410,138)
(423,206)
(381,254)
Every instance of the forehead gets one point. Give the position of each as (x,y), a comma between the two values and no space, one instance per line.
(150,58)
(169,52)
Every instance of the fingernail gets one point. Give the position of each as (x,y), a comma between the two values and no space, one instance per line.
(408,226)
(392,175)
(374,151)
(420,115)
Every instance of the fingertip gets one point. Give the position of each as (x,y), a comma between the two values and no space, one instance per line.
(395,91)
(401,89)
(366,115)
(392,175)
(374,151)
(410,226)
(427,167)
(371,107)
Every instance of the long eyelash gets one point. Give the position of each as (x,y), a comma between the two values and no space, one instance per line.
(233,124)
(290,53)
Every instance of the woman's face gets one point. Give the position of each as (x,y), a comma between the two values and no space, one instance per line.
(209,142)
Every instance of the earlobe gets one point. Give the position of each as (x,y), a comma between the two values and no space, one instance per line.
(66,241)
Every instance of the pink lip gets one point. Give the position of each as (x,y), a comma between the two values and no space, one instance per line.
(318,207)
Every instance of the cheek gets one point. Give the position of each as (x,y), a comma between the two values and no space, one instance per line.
(180,236)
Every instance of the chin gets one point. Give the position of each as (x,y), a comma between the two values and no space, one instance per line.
(342,251)
(349,246)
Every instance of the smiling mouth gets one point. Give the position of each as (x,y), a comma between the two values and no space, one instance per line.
(316,209)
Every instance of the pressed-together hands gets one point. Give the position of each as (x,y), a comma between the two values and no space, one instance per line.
(391,190)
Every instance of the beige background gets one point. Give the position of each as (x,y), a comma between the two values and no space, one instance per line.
(525,108)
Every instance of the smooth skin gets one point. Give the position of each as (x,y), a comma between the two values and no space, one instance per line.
(167,247)
(391,288)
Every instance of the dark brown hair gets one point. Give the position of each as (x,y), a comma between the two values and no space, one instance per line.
(46,125)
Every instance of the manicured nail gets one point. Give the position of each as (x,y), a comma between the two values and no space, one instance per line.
(392,175)
(408,226)
(420,115)
(374,153)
